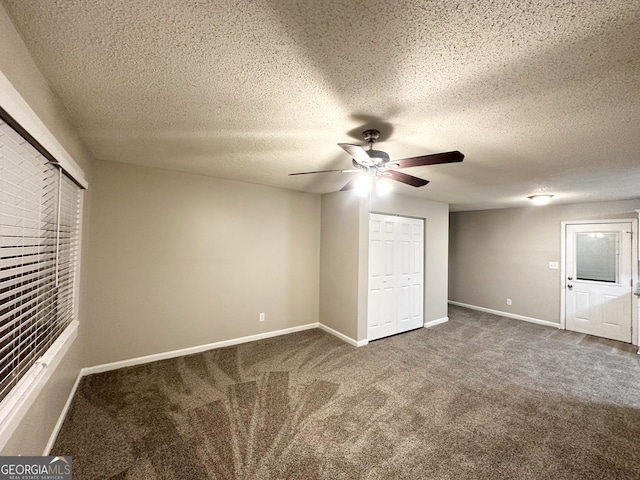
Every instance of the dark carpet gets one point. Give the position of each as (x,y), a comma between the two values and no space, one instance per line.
(480,397)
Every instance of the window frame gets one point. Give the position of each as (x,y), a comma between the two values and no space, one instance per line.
(15,405)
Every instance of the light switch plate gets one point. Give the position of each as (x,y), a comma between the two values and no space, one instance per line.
(553,265)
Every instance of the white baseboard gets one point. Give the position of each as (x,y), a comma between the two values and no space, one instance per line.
(438,321)
(343,337)
(191,350)
(63,415)
(506,314)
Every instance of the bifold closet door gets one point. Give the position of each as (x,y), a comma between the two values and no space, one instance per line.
(396,276)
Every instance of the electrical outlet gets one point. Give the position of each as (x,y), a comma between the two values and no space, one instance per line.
(508,301)
(262,317)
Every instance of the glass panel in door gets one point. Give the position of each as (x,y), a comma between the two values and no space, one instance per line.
(597,257)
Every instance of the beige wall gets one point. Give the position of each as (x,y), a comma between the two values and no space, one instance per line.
(18,66)
(344,257)
(32,435)
(500,254)
(179,260)
(339,265)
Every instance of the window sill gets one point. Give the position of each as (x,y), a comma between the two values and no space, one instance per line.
(15,406)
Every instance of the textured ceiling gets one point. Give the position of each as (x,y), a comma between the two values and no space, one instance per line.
(540,96)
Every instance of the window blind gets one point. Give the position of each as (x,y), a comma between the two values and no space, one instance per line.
(39,241)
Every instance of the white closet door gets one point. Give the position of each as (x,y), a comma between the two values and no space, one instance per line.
(409,273)
(396,276)
(382,279)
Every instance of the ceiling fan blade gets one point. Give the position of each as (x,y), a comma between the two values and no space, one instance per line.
(436,158)
(404,178)
(349,185)
(358,153)
(324,171)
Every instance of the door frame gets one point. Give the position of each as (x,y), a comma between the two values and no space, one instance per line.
(635,324)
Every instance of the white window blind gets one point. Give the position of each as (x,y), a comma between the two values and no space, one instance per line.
(39,240)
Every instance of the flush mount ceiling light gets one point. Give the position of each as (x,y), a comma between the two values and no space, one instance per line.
(540,199)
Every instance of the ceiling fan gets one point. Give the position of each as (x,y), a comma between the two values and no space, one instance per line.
(375,166)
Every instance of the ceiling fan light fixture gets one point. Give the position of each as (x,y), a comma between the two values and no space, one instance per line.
(374,164)
(363,185)
(540,199)
(383,186)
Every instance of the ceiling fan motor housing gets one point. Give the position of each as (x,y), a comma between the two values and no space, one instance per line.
(370,136)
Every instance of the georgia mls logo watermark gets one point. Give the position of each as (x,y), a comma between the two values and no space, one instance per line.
(35,468)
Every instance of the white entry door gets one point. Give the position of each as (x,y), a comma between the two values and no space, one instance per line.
(396,276)
(598,284)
